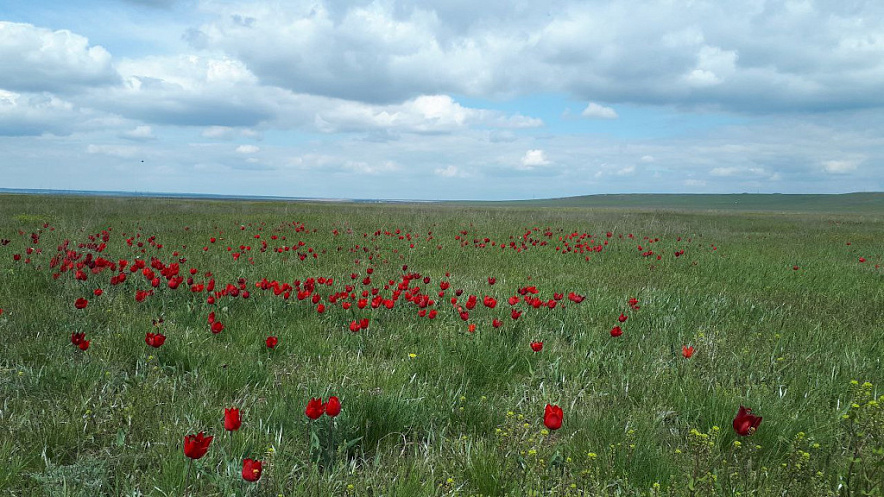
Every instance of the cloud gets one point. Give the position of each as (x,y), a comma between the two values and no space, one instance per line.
(247,149)
(26,114)
(363,167)
(34,59)
(839,166)
(534,158)
(753,58)
(450,171)
(140,133)
(596,111)
(188,90)
(423,114)
(123,151)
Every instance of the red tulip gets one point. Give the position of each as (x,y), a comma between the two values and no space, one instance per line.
(687,352)
(155,339)
(489,302)
(271,342)
(496,323)
(622,318)
(315,408)
(553,416)
(195,446)
(217,327)
(745,423)
(536,346)
(616,331)
(77,338)
(354,326)
(84,345)
(492,281)
(251,470)
(232,420)
(333,406)
(97,292)
(81,303)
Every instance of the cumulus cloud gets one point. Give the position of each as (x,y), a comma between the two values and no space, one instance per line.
(23,114)
(423,114)
(534,158)
(596,111)
(187,90)
(34,59)
(752,58)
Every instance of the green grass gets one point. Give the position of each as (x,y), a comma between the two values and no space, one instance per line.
(428,407)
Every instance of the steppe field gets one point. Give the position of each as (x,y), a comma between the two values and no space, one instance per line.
(659,319)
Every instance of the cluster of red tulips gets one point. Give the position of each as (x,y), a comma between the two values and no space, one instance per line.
(196,446)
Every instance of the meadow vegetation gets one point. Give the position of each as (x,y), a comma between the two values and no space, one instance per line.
(784,314)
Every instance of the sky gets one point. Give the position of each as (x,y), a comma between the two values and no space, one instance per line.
(434,100)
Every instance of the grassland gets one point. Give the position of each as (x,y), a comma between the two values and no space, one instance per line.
(785,312)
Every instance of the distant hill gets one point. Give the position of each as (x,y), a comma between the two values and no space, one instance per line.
(860,203)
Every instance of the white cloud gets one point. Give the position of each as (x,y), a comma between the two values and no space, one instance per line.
(247,149)
(647,159)
(450,171)
(840,166)
(596,111)
(25,114)
(534,158)
(140,133)
(34,59)
(714,66)
(363,167)
(751,57)
(423,114)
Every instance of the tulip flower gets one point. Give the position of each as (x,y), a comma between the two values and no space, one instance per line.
(315,408)
(616,331)
(77,338)
(217,327)
(271,342)
(553,416)
(687,352)
(155,339)
(333,406)
(232,420)
(196,446)
(251,470)
(536,346)
(81,303)
(745,423)
(622,318)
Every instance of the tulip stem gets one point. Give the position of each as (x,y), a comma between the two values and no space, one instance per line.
(187,477)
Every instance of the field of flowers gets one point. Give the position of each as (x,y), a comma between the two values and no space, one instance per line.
(174,347)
